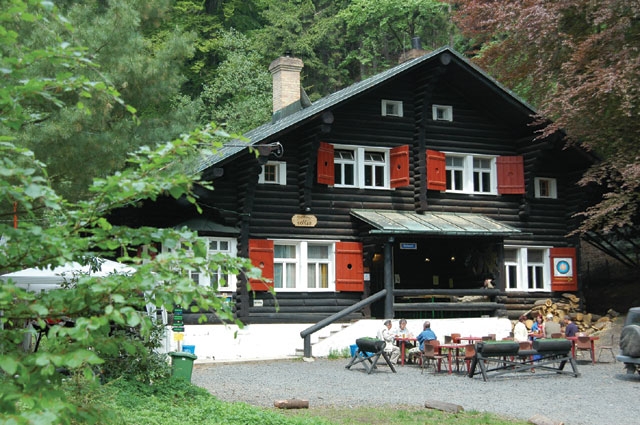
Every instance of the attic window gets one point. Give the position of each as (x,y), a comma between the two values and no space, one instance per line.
(391,108)
(545,188)
(274,172)
(442,113)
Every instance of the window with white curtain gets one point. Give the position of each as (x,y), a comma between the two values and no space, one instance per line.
(303,265)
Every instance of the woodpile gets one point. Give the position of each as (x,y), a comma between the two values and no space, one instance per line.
(569,305)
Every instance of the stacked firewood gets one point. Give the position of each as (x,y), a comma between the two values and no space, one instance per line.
(569,305)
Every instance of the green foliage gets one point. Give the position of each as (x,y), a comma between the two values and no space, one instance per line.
(344,353)
(173,401)
(94,322)
(114,73)
(385,28)
(242,84)
(578,62)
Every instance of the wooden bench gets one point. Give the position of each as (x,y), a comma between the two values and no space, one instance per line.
(500,357)
(368,353)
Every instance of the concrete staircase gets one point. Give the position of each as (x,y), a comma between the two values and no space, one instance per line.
(322,335)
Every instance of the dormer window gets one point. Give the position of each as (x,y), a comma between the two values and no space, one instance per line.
(442,113)
(392,108)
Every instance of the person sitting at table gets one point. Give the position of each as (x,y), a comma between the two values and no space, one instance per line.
(402,332)
(520,331)
(388,337)
(426,335)
(570,328)
(538,325)
(551,327)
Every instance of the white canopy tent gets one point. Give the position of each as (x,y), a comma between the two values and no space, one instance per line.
(36,280)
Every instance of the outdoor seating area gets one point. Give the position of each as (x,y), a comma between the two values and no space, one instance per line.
(470,355)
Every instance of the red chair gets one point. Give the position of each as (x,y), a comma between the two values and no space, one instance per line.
(430,355)
(583,343)
(469,354)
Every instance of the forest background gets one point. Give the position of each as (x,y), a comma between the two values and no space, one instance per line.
(184,63)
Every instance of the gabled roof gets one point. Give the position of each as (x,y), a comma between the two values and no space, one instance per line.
(270,130)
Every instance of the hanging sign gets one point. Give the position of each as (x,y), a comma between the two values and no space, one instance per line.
(304,220)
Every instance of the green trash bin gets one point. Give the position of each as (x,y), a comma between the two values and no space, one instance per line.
(182,364)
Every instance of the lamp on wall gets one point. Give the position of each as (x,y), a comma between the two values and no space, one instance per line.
(377,257)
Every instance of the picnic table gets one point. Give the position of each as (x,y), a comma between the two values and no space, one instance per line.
(368,353)
(402,341)
(498,358)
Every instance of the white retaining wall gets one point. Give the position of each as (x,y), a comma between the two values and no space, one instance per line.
(221,343)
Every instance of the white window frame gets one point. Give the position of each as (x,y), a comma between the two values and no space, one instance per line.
(552,186)
(392,108)
(523,266)
(442,112)
(360,164)
(279,176)
(469,170)
(301,263)
(230,249)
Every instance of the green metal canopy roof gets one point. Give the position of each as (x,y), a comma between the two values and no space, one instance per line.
(433,223)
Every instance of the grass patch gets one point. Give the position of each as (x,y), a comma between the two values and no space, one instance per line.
(339,354)
(400,415)
(176,402)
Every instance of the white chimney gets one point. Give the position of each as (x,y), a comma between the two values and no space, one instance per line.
(286,81)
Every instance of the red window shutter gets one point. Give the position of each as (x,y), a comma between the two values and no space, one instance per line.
(564,275)
(349,267)
(261,256)
(436,170)
(510,175)
(399,166)
(326,172)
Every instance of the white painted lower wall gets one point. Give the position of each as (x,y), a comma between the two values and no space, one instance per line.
(221,343)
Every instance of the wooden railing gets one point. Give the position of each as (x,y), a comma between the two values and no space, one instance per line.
(429,304)
(426,300)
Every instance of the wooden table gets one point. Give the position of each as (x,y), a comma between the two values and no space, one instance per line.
(592,340)
(470,339)
(450,349)
(403,342)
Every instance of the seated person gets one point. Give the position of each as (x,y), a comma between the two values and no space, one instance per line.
(551,327)
(538,325)
(402,332)
(388,337)
(570,328)
(426,335)
(520,331)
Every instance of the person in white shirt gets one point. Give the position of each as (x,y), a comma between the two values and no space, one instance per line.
(388,337)
(520,331)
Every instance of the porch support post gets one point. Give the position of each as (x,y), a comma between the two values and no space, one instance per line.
(388,278)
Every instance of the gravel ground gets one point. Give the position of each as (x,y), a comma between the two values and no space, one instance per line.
(602,394)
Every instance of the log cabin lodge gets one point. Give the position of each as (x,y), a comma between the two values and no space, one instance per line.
(394,197)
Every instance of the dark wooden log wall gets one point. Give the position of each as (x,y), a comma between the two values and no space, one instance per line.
(266,210)
(299,307)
